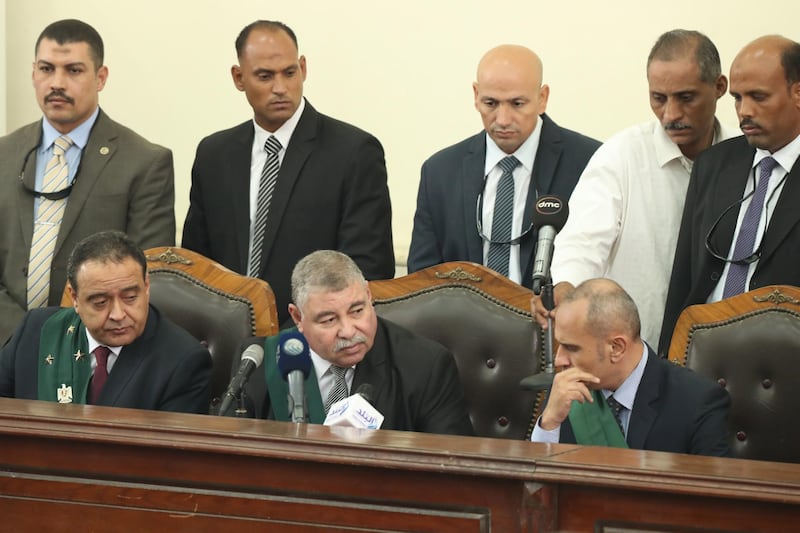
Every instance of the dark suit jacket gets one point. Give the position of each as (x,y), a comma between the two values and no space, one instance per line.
(445,225)
(415,383)
(165,369)
(718,180)
(331,193)
(676,411)
(124,183)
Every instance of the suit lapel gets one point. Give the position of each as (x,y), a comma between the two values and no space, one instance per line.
(471,180)
(237,204)
(734,172)
(645,406)
(100,148)
(548,154)
(372,370)
(785,217)
(301,145)
(28,143)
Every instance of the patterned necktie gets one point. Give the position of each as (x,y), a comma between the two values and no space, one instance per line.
(266,186)
(737,274)
(502,221)
(616,408)
(339,390)
(101,354)
(47,224)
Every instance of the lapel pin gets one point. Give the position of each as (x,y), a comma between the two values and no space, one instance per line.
(49,359)
(64,394)
(78,355)
(104,150)
(70,330)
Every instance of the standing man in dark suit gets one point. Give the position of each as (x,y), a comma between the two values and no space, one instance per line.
(614,390)
(414,380)
(111,177)
(257,206)
(456,203)
(112,348)
(741,224)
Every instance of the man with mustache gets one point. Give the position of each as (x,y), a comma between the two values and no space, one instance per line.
(289,181)
(414,380)
(476,198)
(625,211)
(111,347)
(741,224)
(71,174)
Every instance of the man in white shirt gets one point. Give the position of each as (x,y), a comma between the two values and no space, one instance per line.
(626,208)
(724,247)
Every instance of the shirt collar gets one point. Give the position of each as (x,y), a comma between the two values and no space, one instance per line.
(320,365)
(626,393)
(79,135)
(786,156)
(93,344)
(525,153)
(667,151)
(284,133)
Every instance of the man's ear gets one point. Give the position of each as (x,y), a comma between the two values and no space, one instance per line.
(73,294)
(297,316)
(619,345)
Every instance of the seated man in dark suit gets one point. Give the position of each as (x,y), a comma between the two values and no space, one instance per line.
(414,380)
(112,348)
(615,391)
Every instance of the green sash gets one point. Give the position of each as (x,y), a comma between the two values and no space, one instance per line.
(594,424)
(64,362)
(278,389)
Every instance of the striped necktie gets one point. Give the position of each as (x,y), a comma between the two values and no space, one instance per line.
(339,389)
(500,249)
(736,281)
(47,224)
(269,177)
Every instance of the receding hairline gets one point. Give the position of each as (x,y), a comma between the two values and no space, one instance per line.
(513,56)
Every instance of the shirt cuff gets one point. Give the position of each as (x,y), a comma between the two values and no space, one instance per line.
(542,435)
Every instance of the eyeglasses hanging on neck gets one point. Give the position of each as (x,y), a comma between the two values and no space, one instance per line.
(53,195)
(756,255)
(479,221)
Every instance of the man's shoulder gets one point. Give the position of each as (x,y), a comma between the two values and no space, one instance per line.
(455,152)
(106,127)
(337,128)
(27,134)
(161,329)
(572,139)
(415,348)
(684,383)
(724,148)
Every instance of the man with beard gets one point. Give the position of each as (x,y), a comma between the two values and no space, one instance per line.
(72,174)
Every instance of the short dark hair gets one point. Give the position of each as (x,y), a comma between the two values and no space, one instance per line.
(676,44)
(790,60)
(611,310)
(106,246)
(272,25)
(74,31)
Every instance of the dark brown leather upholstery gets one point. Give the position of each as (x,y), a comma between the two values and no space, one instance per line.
(485,321)
(750,344)
(217,306)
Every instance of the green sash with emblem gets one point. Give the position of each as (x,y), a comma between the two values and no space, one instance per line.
(278,389)
(64,363)
(594,424)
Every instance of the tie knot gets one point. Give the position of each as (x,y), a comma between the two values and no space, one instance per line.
(508,164)
(101,354)
(61,145)
(766,166)
(273,145)
(615,405)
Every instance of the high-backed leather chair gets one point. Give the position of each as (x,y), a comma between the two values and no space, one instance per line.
(484,319)
(217,306)
(750,344)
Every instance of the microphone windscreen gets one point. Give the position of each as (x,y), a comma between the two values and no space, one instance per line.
(550,210)
(366,391)
(293,354)
(255,353)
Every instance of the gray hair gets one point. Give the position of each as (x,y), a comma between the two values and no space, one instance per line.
(677,44)
(323,271)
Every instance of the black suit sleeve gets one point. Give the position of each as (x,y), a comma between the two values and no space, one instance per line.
(443,406)
(189,388)
(425,248)
(710,435)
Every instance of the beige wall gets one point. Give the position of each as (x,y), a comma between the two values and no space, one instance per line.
(401,70)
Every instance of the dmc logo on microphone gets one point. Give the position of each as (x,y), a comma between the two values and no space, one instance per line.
(293,347)
(548,205)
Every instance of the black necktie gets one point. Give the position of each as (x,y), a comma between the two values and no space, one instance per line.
(616,408)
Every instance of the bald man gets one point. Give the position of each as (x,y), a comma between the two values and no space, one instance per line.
(604,363)
(459,187)
(715,257)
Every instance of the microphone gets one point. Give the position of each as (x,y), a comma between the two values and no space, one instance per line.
(252,358)
(294,363)
(355,411)
(549,216)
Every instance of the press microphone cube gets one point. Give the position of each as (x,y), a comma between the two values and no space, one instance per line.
(354,412)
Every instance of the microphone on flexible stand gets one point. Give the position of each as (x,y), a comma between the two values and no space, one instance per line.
(251,359)
(549,217)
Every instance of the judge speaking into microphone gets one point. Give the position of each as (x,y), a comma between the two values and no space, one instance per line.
(360,364)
